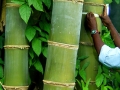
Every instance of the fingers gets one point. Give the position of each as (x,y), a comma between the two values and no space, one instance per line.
(105,11)
(90,14)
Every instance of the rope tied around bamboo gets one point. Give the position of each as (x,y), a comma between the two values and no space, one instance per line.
(87,43)
(94,4)
(12,5)
(59,83)
(76,1)
(5,87)
(15,87)
(16,46)
(63,45)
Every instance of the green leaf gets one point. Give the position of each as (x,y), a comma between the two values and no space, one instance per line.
(78,64)
(30,62)
(31,53)
(117,1)
(105,81)
(76,73)
(99,70)
(45,51)
(30,33)
(36,45)
(109,87)
(45,35)
(38,66)
(105,69)
(83,86)
(37,4)
(82,73)
(85,65)
(18,1)
(78,82)
(25,12)
(107,1)
(37,28)
(1,61)
(1,71)
(43,39)
(82,58)
(1,42)
(30,2)
(45,26)
(117,76)
(47,3)
(99,80)
(87,83)
(1,87)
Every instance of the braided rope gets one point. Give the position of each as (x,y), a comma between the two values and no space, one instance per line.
(81,1)
(59,83)
(15,87)
(16,46)
(68,46)
(12,5)
(87,43)
(5,87)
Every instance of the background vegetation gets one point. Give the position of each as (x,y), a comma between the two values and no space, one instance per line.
(37,16)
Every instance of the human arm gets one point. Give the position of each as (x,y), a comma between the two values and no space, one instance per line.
(92,25)
(108,23)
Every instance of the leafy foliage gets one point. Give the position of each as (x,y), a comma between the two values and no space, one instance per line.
(1,59)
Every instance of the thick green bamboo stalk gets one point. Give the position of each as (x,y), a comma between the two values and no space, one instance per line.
(86,44)
(63,45)
(16,50)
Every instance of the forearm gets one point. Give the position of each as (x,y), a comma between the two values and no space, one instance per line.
(115,35)
(98,43)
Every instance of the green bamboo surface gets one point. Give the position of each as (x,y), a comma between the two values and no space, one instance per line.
(61,62)
(88,50)
(16,60)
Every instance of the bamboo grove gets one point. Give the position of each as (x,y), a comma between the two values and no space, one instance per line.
(44,45)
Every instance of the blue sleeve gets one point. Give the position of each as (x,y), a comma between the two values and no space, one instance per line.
(110,56)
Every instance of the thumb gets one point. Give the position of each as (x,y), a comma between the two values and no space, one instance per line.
(104,10)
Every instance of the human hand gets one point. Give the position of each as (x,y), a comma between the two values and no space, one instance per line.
(105,18)
(90,21)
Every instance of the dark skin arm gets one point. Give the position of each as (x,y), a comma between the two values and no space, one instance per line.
(107,22)
(92,25)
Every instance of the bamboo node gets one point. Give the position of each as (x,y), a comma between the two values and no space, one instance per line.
(94,4)
(16,46)
(12,5)
(59,83)
(5,87)
(15,87)
(87,43)
(63,45)
(76,1)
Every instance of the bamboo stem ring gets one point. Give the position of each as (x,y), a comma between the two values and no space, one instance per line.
(87,43)
(12,5)
(16,46)
(5,87)
(94,4)
(63,45)
(59,83)
(79,1)
(15,87)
